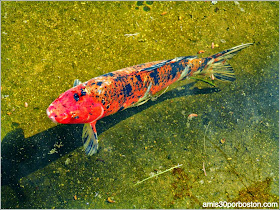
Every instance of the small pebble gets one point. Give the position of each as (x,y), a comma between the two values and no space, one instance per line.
(110,200)
(200,51)
(223,141)
(192,116)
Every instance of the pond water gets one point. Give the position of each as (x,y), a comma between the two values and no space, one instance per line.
(229,152)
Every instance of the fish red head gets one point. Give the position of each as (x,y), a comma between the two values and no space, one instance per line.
(75,106)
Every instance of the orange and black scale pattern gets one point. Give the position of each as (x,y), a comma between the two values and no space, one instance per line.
(121,89)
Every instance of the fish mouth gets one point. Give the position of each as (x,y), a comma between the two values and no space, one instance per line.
(58,117)
(51,115)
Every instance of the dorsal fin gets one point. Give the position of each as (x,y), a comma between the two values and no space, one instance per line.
(166,62)
(156,66)
(76,82)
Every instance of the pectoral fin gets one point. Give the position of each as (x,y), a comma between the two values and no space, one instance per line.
(145,98)
(89,138)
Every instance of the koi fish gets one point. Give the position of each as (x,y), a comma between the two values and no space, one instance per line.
(88,102)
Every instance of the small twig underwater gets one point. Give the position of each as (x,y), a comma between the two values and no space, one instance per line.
(204,137)
(128,35)
(139,182)
(203,166)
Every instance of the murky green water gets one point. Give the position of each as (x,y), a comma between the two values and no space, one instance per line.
(47,45)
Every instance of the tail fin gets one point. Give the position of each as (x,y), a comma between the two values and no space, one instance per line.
(217,66)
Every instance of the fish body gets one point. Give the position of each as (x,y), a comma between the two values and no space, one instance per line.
(107,94)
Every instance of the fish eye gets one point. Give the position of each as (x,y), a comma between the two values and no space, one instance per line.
(76,97)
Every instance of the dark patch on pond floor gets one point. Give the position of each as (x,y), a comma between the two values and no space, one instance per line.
(258,192)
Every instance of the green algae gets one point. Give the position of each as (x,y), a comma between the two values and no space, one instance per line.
(47,45)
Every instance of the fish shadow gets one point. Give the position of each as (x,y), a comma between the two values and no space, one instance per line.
(21,156)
